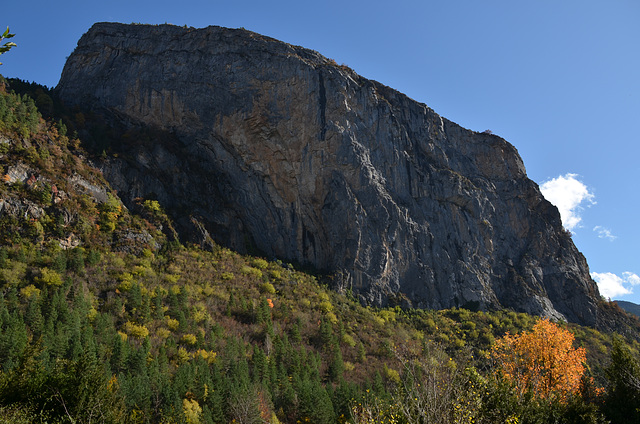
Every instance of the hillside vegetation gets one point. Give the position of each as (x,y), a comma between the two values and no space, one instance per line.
(105,316)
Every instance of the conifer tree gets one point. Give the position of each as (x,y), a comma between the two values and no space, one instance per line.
(336,364)
(34,318)
(119,354)
(622,403)
(13,340)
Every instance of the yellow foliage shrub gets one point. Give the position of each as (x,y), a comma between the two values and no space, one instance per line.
(192,411)
(92,314)
(325,306)
(378,320)
(391,374)
(135,330)
(208,355)
(126,281)
(30,291)
(275,274)
(200,315)
(267,288)
(260,263)
(189,339)
(172,278)
(162,333)
(173,324)
(208,291)
(251,272)
(182,355)
(227,276)
(388,315)
(348,340)
(49,277)
(274,419)
(13,273)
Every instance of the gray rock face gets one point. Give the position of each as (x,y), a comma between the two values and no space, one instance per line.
(275,147)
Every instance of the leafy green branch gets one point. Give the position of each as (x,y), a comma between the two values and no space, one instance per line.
(8,45)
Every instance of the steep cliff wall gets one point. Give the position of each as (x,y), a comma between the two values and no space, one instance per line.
(273,146)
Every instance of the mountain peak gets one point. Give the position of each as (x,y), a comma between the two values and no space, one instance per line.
(275,148)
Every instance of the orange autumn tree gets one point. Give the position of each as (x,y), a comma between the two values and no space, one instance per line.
(542,361)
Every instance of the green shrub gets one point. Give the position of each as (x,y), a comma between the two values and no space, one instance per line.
(126,281)
(275,274)
(49,277)
(13,273)
(251,272)
(267,288)
(259,263)
(137,331)
(348,340)
(391,375)
(325,306)
(30,291)
(189,339)
(173,324)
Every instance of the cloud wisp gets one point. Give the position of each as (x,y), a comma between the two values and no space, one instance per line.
(604,233)
(612,285)
(568,193)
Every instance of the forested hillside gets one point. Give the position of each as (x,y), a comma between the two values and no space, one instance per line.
(107,315)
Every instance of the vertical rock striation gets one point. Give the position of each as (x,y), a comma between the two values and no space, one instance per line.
(274,147)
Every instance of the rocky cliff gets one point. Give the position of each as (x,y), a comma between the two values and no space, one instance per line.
(273,147)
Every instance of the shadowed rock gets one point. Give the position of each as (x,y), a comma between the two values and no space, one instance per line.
(273,147)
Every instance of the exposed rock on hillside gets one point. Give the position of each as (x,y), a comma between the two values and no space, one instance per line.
(274,147)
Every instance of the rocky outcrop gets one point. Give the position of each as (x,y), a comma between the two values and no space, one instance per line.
(273,147)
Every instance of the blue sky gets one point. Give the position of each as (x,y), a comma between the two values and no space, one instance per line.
(560,80)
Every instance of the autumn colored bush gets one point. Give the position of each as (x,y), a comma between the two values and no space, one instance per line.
(542,361)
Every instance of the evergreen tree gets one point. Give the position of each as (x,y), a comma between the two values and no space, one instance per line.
(158,311)
(326,334)
(93,256)
(296,335)
(76,260)
(74,335)
(314,403)
(336,364)
(34,318)
(259,365)
(13,341)
(134,300)
(59,262)
(4,255)
(119,354)
(622,403)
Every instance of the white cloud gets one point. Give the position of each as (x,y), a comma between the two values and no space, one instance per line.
(612,285)
(632,278)
(567,193)
(604,233)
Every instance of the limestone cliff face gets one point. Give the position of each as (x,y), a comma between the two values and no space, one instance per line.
(275,147)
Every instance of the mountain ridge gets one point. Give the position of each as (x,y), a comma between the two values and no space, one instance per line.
(630,307)
(270,146)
